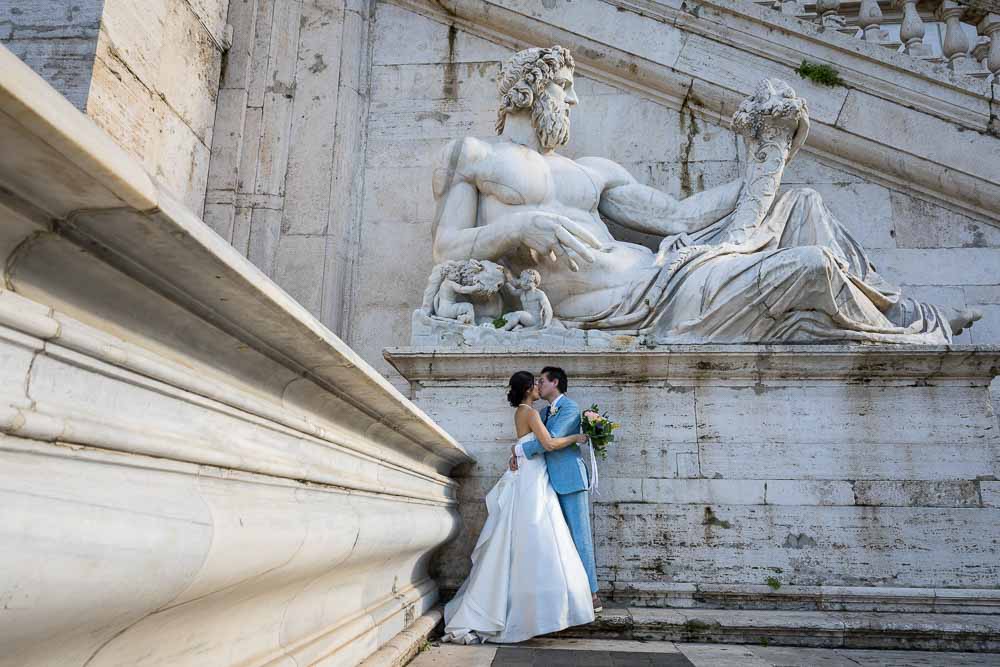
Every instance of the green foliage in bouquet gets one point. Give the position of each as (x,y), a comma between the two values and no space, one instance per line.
(599,428)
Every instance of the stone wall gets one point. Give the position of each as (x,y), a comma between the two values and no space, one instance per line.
(145,72)
(796,477)
(57,40)
(285,181)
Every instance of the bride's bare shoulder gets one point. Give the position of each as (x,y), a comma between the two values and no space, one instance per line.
(523,414)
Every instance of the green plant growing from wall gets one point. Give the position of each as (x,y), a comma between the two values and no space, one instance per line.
(820,73)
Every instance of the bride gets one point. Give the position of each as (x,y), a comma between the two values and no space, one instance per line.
(527,578)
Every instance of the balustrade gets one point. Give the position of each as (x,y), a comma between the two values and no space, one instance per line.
(962,34)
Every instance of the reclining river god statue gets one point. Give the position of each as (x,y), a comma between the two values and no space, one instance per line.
(737,263)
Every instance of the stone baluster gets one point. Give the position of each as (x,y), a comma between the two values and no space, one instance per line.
(911,31)
(870,20)
(829,13)
(956,45)
(989,27)
(979,53)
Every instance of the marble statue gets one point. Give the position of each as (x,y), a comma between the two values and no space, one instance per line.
(536,309)
(737,263)
(467,291)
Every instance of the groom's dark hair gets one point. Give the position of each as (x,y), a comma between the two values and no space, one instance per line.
(557,374)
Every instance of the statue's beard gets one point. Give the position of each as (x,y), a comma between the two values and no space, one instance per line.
(550,120)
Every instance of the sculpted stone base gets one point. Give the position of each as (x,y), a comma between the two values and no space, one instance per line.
(789,477)
(430,332)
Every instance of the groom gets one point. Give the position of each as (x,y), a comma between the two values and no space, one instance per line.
(567,471)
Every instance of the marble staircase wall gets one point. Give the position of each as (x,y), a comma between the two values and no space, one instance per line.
(193,470)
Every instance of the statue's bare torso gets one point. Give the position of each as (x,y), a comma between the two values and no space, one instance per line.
(512,179)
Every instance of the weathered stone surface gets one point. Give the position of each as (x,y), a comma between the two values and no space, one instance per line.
(948,266)
(864,209)
(193,480)
(242,16)
(265,233)
(816,629)
(918,493)
(923,224)
(809,492)
(123,63)
(989,334)
(727,477)
(886,122)
(57,41)
(309,176)
(299,268)
(748,543)
(427,41)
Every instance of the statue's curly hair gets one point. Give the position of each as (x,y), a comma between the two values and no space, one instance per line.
(462,272)
(524,75)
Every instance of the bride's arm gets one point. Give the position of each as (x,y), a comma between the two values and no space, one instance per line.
(549,443)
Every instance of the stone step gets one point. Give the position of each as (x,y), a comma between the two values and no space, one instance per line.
(653,594)
(935,632)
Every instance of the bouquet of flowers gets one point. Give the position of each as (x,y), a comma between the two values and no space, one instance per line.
(599,428)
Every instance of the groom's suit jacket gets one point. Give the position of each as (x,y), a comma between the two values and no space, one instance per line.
(567,471)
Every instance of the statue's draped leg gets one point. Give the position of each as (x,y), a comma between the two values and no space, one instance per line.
(808,280)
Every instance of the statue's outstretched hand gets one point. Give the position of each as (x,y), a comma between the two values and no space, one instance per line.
(556,236)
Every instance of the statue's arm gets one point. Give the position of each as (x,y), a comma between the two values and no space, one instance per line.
(645,209)
(456,236)
(464,289)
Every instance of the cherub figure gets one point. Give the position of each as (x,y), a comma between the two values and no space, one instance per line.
(474,279)
(536,311)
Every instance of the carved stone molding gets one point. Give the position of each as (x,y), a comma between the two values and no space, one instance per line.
(194,470)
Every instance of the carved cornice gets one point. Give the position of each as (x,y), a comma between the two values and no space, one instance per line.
(691,364)
(890,93)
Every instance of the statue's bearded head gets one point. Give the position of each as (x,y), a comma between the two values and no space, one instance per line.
(539,81)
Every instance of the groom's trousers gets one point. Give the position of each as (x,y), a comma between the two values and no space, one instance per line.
(577,513)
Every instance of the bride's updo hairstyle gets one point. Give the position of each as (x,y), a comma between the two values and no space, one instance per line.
(518,387)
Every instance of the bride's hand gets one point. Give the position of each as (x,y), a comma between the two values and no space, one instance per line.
(582,439)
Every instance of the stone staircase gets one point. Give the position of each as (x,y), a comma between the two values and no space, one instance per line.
(823,629)
(808,616)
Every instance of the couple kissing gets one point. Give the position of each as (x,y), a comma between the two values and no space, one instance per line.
(533,564)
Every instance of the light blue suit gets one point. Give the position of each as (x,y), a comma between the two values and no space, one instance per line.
(568,475)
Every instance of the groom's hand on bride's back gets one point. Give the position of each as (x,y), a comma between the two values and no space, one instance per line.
(512,464)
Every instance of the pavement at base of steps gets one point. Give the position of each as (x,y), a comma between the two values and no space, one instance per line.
(630,653)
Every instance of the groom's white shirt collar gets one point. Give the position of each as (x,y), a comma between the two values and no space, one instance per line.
(556,402)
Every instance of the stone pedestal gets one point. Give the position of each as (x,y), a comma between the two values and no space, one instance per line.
(777,477)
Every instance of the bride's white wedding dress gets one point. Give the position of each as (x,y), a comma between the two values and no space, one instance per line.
(526,578)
